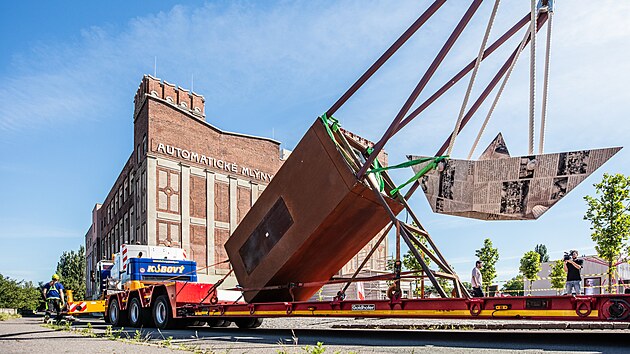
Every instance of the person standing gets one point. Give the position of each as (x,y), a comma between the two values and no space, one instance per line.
(572,266)
(53,293)
(477,280)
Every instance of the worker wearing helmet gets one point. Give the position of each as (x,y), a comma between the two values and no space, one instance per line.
(53,293)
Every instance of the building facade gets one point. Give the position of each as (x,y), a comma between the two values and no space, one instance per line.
(186,184)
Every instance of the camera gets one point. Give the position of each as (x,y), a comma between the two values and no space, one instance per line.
(567,256)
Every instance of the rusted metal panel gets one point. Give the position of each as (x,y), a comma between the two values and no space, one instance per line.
(311,219)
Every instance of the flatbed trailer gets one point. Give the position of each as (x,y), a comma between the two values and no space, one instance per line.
(180,304)
(569,308)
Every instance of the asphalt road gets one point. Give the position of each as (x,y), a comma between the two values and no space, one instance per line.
(27,335)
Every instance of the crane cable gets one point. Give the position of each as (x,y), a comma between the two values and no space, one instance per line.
(505,80)
(545,84)
(499,92)
(473,77)
(532,78)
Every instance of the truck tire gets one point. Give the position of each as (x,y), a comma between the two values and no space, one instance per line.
(138,316)
(162,313)
(248,322)
(116,316)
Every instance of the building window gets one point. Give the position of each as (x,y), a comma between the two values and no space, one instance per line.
(116,237)
(138,154)
(144,233)
(121,232)
(126,189)
(144,145)
(131,185)
(138,191)
(109,245)
(144,192)
(120,198)
(126,228)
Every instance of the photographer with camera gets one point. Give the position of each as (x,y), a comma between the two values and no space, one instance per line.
(573,265)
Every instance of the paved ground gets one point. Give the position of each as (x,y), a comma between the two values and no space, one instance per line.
(27,335)
(282,335)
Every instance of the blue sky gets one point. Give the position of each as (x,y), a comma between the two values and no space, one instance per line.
(70,72)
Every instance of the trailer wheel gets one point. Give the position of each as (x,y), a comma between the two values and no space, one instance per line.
(248,322)
(162,313)
(116,316)
(215,322)
(138,316)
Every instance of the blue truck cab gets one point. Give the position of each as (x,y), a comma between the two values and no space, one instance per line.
(156,270)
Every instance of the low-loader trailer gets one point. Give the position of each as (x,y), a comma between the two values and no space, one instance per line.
(165,293)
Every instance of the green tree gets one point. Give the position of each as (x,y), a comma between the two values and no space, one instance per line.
(489,256)
(610,221)
(514,286)
(530,266)
(410,262)
(21,295)
(542,251)
(558,275)
(71,269)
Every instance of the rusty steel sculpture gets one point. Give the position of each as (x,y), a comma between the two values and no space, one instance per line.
(332,196)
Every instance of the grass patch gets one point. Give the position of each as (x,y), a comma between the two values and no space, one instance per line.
(8,316)
(316,349)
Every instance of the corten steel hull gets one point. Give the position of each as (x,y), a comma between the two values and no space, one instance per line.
(309,222)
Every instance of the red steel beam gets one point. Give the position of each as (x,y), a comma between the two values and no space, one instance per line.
(421,85)
(507,35)
(394,47)
(473,109)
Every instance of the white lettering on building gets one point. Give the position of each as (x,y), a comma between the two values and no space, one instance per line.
(213,162)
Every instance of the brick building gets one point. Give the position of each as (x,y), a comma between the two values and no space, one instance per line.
(186,184)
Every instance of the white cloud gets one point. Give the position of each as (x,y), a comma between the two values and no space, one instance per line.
(237,54)
(298,54)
